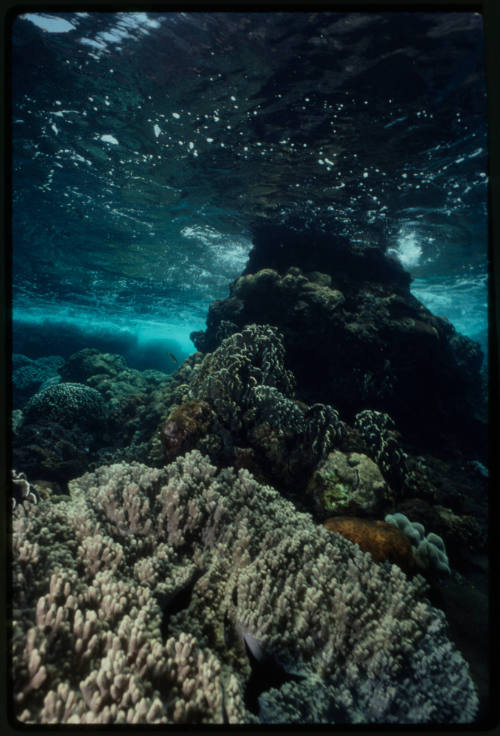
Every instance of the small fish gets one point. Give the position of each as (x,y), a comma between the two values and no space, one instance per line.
(172,357)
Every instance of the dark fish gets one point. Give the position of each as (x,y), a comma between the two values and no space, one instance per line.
(172,357)
(225,718)
(269,669)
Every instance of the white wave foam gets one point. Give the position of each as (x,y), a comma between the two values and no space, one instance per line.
(407,251)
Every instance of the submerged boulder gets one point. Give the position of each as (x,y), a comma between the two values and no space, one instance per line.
(347,483)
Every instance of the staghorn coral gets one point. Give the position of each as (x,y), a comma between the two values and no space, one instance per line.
(99,635)
(90,650)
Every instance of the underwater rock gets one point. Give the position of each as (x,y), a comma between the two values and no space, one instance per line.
(355,337)
(347,484)
(184,426)
(50,451)
(22,490)
(382,540)
(460,530)
(280,246)
(91,362)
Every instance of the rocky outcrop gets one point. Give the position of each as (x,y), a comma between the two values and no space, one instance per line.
(356,338)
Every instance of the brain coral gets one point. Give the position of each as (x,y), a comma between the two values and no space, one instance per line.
(133,600)
(67,404)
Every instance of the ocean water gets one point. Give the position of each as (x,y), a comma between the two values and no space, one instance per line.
(243,576)
(145,145)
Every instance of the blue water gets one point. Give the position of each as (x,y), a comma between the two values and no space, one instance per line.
(146,144)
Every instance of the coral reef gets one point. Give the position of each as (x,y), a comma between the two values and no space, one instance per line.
(251,393)
(226,378)
(184,426)
(135,600)
(355,337)
(80,366)
(101,412)
(59,428)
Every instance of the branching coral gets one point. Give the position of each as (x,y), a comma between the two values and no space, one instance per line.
(377,430)
(249,389)
(99,637)
(244,360)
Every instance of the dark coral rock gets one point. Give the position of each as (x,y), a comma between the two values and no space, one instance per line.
(460,530)
(422,512)
(347,484)
(184,426)
(279,247)
(90,362)
(355,337)
(382,540)
(50,451)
